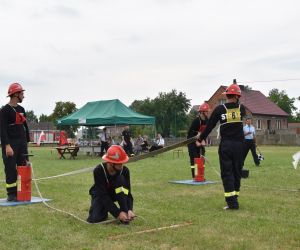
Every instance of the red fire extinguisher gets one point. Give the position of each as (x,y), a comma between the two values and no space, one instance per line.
(199,170)
(24,182)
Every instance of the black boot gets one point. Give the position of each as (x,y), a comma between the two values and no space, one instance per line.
(12,197)
(193,172)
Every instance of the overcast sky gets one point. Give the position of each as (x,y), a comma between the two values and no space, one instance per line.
(88,50)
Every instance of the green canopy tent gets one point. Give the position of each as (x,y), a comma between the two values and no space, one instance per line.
(106,113)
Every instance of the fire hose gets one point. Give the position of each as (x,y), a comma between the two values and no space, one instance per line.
(133,159)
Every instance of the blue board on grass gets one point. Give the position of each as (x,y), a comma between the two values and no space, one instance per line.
(191,182)
(5,203)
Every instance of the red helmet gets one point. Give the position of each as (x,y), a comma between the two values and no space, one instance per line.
(204,107)
(14,88)
(233,89)
(115,154)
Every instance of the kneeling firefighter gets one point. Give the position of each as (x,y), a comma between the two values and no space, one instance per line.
(112,184)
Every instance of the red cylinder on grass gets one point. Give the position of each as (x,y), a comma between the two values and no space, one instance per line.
(24,183)
(199,170)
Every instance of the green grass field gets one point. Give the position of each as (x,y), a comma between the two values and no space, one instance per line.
(269,215)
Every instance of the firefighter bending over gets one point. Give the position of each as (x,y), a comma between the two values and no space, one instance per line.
(112,184)
(14,138)
(198,125)
(231,158)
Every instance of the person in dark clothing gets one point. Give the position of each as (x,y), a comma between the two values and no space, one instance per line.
(104,142)
(14,138)
(250,141)
(230,116)
(198,125)
(126,139)
(111,184)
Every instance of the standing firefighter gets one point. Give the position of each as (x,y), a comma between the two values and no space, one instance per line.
(231,159)
(14,138)
(112,184)
(198,125)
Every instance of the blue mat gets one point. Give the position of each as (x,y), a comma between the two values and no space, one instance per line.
(191,182)
(34,200)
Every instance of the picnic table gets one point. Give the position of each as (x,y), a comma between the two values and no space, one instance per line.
(63,150)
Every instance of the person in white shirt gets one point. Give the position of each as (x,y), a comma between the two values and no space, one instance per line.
(250,141)
(159,143)
(104,142)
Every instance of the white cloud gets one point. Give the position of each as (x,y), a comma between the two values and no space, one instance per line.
(89,50)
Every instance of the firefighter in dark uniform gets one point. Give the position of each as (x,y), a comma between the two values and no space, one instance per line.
(127,144)
(198,125)
(14,138)
(231,159)
(112,184)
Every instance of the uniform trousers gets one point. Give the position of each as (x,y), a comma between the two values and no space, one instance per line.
(231,163)
(195,152)
(19,147)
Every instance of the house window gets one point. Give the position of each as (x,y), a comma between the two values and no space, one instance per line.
(222,101)
(258,124)
(278,124)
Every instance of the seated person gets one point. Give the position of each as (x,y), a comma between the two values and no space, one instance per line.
(111,141)
(112,184)
(145,145)
(159,143)
(137,149)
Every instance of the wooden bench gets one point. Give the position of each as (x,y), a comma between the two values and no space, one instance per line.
(71,150)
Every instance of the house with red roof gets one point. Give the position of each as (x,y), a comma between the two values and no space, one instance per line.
(270,121)
(48,128)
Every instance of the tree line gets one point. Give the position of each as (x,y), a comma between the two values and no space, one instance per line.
(171,111)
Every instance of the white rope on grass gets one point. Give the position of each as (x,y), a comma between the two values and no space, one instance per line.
(89,169)
(206,160)
(150,230)
(62,211)
(277,189)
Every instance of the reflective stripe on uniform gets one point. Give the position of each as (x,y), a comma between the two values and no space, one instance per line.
(193,166)
(229,194)
(237,193)
(11,185)
(121,189)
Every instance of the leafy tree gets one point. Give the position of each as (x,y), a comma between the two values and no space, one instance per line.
(145,107)
(45,118)
(31,117)
(170,111)
(283,101)
(63,109)
(192,115)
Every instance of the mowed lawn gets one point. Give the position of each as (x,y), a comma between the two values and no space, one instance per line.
(269,215)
